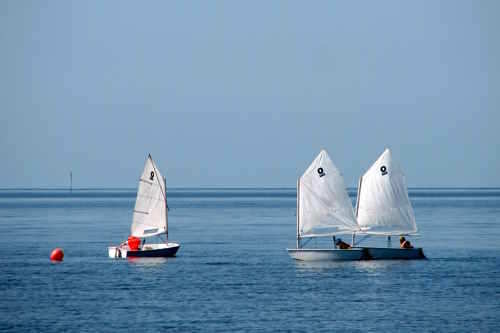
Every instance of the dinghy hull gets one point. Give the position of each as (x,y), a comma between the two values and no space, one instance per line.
(383,253)
(148,251)
(327,254)
(169,251)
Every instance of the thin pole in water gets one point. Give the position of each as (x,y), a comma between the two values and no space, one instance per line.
(298,212)
(166,207)
(71,181)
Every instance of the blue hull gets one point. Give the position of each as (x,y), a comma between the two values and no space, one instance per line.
(382,253)
(158,253)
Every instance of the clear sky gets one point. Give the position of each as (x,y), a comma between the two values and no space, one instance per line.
(228,93)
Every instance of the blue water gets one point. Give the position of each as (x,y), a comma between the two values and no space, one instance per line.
(232,272)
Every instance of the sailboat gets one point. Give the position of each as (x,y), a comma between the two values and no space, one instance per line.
(323,210)
(383,208)
(150,218)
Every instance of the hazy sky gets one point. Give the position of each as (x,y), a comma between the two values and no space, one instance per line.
(247,93)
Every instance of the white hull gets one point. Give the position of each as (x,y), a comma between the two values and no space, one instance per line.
(326,254)
(381,253)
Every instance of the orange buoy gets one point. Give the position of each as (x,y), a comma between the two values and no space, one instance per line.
(57,254)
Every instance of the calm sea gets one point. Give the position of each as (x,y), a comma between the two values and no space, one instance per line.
(233,273)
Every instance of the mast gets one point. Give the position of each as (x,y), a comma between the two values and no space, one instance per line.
(166,207)
(357,197)
(298,211)
(164,194)
(357,206)
(71,181)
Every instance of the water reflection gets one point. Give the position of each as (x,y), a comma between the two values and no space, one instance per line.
(148,262)
(380,266)
(361,266)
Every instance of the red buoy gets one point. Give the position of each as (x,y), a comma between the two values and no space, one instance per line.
(57,254)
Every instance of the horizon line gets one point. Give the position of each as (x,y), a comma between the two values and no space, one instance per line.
(270,187)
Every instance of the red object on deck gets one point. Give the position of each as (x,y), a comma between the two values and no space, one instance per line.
(57,254)
(134,242)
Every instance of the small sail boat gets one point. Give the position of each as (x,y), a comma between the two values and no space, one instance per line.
(323,210)
(383,208)
(150,218)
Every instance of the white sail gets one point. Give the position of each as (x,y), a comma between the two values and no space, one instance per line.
(383,206)
(324,205)
(150,215)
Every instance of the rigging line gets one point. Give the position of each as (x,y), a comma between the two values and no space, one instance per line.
(306,241)
(362,239)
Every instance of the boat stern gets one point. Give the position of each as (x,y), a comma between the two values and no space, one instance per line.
(117,252)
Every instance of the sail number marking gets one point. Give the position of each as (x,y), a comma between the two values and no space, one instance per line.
(152,175)
(321,172)
(383,170)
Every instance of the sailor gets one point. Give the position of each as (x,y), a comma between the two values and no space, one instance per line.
(342,245)
(404,244)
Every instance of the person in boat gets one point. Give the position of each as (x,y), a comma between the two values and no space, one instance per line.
(342,245)
(404,244)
